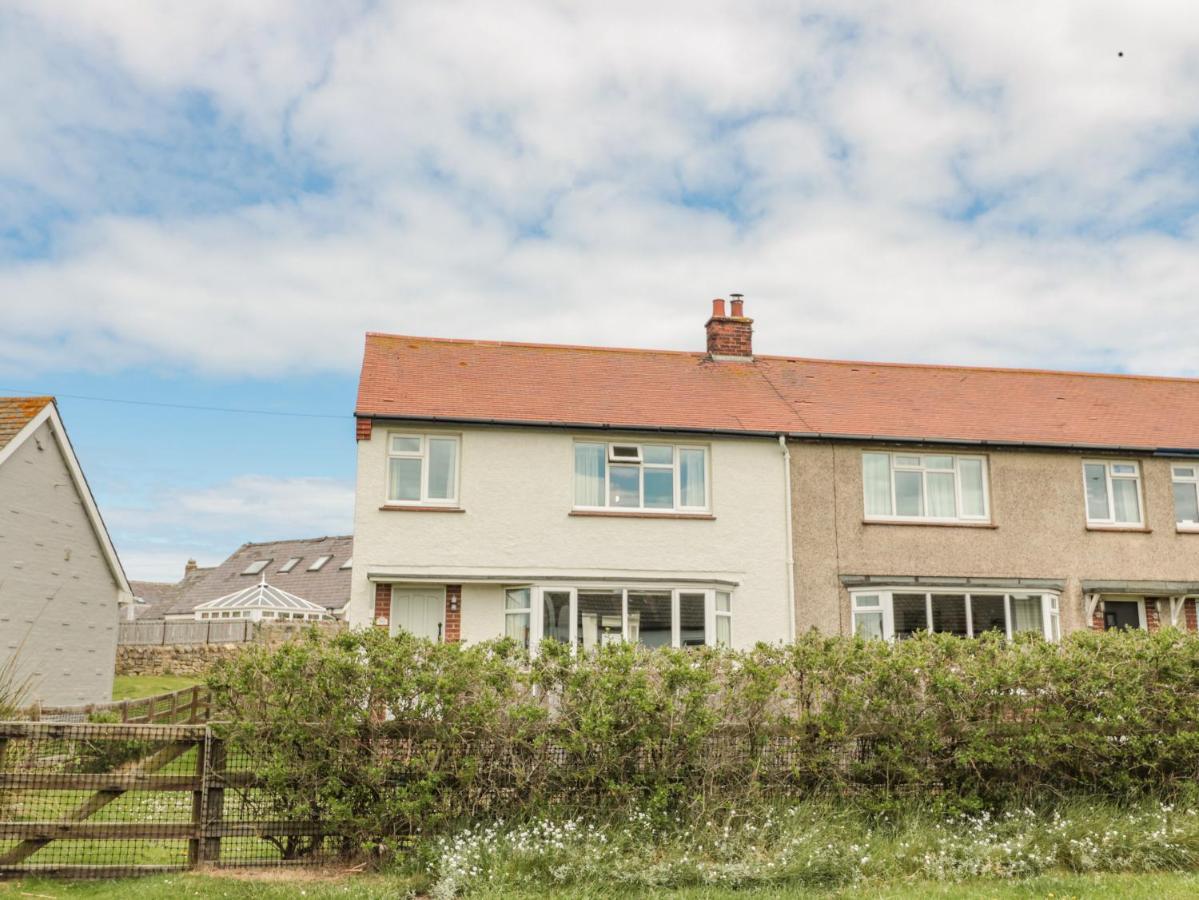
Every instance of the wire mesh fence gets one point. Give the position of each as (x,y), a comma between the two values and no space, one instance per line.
(105,800)
(185,706)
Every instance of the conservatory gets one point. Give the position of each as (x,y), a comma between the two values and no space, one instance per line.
(262,602)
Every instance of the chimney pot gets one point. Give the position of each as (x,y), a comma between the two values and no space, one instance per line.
(730,337)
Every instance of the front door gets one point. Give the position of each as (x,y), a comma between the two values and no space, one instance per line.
(419,611)
(1121,614)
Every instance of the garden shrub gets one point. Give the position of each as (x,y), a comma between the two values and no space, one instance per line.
(380,737)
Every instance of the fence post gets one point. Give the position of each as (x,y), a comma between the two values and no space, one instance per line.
(195,844)
(214,800)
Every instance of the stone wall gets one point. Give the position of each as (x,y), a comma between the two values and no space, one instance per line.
(197,659)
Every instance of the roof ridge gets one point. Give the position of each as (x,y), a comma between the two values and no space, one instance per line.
(327,537)
(1078,373)
(539,345)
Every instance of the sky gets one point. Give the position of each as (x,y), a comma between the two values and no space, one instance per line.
(206,203)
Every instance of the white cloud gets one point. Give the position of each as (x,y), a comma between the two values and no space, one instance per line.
(209,523)
(567,171)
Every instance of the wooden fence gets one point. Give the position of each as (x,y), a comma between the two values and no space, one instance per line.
(114,800)
(186,706)
(238,631)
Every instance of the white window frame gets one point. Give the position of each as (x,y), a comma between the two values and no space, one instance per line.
(1050,606)
(675,465)
(537,617)
(893,467)
(423,455)
(1109,477)
(320,562)
(520,611)
(1138,599)
(1193,481)
(291,563)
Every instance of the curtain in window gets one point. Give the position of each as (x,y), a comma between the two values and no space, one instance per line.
(691,478)
(1096,491)
(876,474)
(589,474)
(970,471)
(1124,495)
(1186,507)
(1026,614)
(940,495)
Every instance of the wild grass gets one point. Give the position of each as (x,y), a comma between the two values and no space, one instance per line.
(816,846)
(134,687)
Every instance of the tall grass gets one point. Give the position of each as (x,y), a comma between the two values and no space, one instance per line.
(15,689)
(812,844)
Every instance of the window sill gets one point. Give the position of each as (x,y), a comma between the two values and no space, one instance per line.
(399,507)
(1134,529)
(1187,529)
(640,514)
(931,524)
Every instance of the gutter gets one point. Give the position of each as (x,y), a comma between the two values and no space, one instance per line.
(790,435)
(790,546)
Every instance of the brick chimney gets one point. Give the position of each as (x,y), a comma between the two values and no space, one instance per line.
(730,337)
(189,567)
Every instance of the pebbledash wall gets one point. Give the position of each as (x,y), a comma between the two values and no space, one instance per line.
(1038,530)
(515,525)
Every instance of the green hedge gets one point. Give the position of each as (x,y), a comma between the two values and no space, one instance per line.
(379,736)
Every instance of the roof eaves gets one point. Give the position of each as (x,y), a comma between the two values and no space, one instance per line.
(590,426)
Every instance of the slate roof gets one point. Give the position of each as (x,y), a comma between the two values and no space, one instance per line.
(329,587)
(16,413)
(433,379)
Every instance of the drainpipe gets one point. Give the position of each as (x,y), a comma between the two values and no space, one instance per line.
(790,545)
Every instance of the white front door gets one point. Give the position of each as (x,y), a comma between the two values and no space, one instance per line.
(419,611)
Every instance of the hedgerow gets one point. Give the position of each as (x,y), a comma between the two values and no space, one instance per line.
(380,738)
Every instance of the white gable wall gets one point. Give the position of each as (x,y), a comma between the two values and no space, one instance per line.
(59,599)
(516,490)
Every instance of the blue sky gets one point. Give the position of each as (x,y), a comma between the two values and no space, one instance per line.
(206,203)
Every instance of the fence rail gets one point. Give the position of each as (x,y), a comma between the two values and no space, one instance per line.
(211,632)
(100,800)
(189,705)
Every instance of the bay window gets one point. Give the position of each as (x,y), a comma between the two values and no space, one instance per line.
(902,613)
(645,477)
(422,469)
(1113,493)
(587,618)
(1186,496)
(924,486)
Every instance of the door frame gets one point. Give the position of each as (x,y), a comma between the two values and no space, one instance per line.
(393,626)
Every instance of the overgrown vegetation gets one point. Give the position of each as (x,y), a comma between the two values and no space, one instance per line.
(383,738)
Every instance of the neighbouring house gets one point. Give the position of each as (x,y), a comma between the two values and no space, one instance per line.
(62,588)
(589,494)
(315,571)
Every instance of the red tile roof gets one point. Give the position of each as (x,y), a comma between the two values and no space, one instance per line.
(459,380)
(16,413)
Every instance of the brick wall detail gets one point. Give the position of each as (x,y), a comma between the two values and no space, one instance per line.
(383,606)
(729,336)
(362,428)
(453,613)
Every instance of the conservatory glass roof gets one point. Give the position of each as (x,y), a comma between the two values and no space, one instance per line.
(263,596)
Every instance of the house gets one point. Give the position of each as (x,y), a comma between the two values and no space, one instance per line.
(62,588)
(591,494)
(581,494)
(315,571)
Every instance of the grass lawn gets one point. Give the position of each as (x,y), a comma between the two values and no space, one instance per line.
(131,687)
(270,884)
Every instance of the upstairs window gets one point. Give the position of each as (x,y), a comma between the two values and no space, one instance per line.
(1186,496)
(648,477)
(1113,489)
(290,564)
(422,469)
(319,563)
(927,486)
